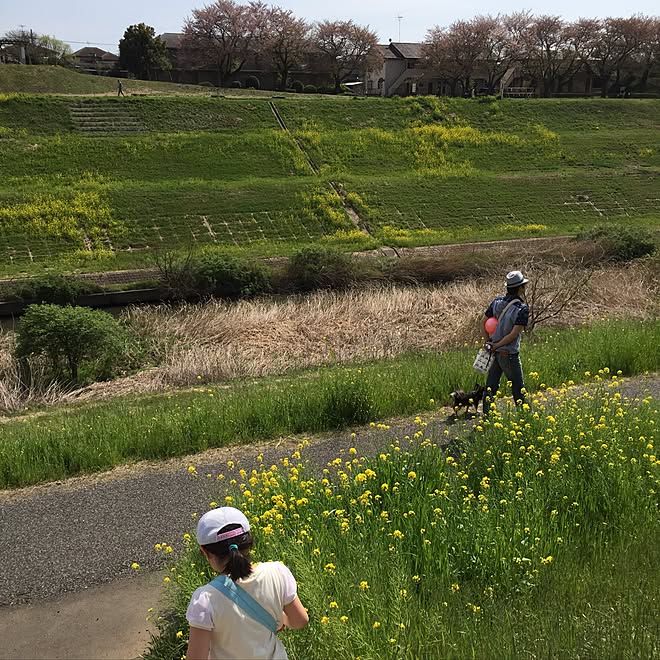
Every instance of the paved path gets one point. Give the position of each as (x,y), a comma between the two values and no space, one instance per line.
(104,623)
(72,535)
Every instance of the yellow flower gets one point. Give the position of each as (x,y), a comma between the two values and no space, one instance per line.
(316,552)
(412,475)
(333,605)
(324,620)
(179,634)
(229,499)
(397,534)
(343,619)
(376,624)
(192,469)
(547,560)
(135,566)
(352,451)
(169,549)
(167,580)
(455,587)
(364,585)
(330,568)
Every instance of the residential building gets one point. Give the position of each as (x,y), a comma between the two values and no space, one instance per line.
(95,60)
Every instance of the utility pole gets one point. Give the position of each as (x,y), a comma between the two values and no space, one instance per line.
(399,18)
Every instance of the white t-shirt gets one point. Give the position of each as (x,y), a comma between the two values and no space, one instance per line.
(235,633)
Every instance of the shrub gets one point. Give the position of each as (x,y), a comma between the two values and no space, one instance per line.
(216,274)
(324,89)
(297,86)
(57,289)
(320,268)
(620,243)
(71,338)
(310,89)
(236,84)
(440,269)
(252,82)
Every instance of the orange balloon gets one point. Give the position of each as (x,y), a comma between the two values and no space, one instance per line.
(491,325)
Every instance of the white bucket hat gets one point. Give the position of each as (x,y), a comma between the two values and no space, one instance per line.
(210,524)
(515,278)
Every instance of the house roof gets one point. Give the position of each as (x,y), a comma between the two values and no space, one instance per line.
(386,52)
(90,51)
(171,39)
(409,51)
(110,57)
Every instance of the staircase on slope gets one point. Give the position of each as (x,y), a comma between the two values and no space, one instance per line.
(105,118)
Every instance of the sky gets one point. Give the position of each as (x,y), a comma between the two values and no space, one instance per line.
(81,22)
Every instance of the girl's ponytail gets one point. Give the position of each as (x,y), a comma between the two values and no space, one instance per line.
(235,552)
(239,565)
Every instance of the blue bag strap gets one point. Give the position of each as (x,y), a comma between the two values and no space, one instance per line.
(242,598)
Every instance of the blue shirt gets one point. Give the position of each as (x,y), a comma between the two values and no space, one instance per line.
(517,314)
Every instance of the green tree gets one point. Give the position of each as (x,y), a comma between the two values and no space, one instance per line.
(141,52)
(70,338)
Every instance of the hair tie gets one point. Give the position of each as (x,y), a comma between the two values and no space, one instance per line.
(233,546)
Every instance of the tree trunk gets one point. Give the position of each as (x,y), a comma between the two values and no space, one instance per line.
(604,87)
(284,77)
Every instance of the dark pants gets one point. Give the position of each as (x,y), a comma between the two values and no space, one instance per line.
(510,366)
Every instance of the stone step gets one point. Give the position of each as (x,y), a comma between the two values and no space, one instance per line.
(105,120)
(109,115)
(96,131)
(97,110)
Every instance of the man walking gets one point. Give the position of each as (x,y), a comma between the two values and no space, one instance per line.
(512,314)
(120,88)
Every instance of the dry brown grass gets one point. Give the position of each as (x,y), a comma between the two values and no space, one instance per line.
(218,341)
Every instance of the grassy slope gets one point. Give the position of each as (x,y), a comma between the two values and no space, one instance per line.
(58,80)
(538,167)
(49,447)
(38,79)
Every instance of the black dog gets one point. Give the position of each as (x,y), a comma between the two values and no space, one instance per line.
(461,399)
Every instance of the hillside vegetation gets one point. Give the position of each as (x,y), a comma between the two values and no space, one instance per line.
(38,79)
(98,183)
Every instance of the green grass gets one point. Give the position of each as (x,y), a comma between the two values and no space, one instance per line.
(38,79)
(134,428)
(418,171)
(536,537)
(422,210)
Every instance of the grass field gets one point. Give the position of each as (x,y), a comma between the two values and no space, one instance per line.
(71,441)
(535,537)
(36,79)
(220,170)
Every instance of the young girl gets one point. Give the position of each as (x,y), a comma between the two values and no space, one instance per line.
(238,614)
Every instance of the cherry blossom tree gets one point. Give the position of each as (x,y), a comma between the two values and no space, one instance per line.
(345,46)
(223,35)
(287,41)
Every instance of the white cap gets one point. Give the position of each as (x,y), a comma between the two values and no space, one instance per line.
(515,278)
(210,524)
